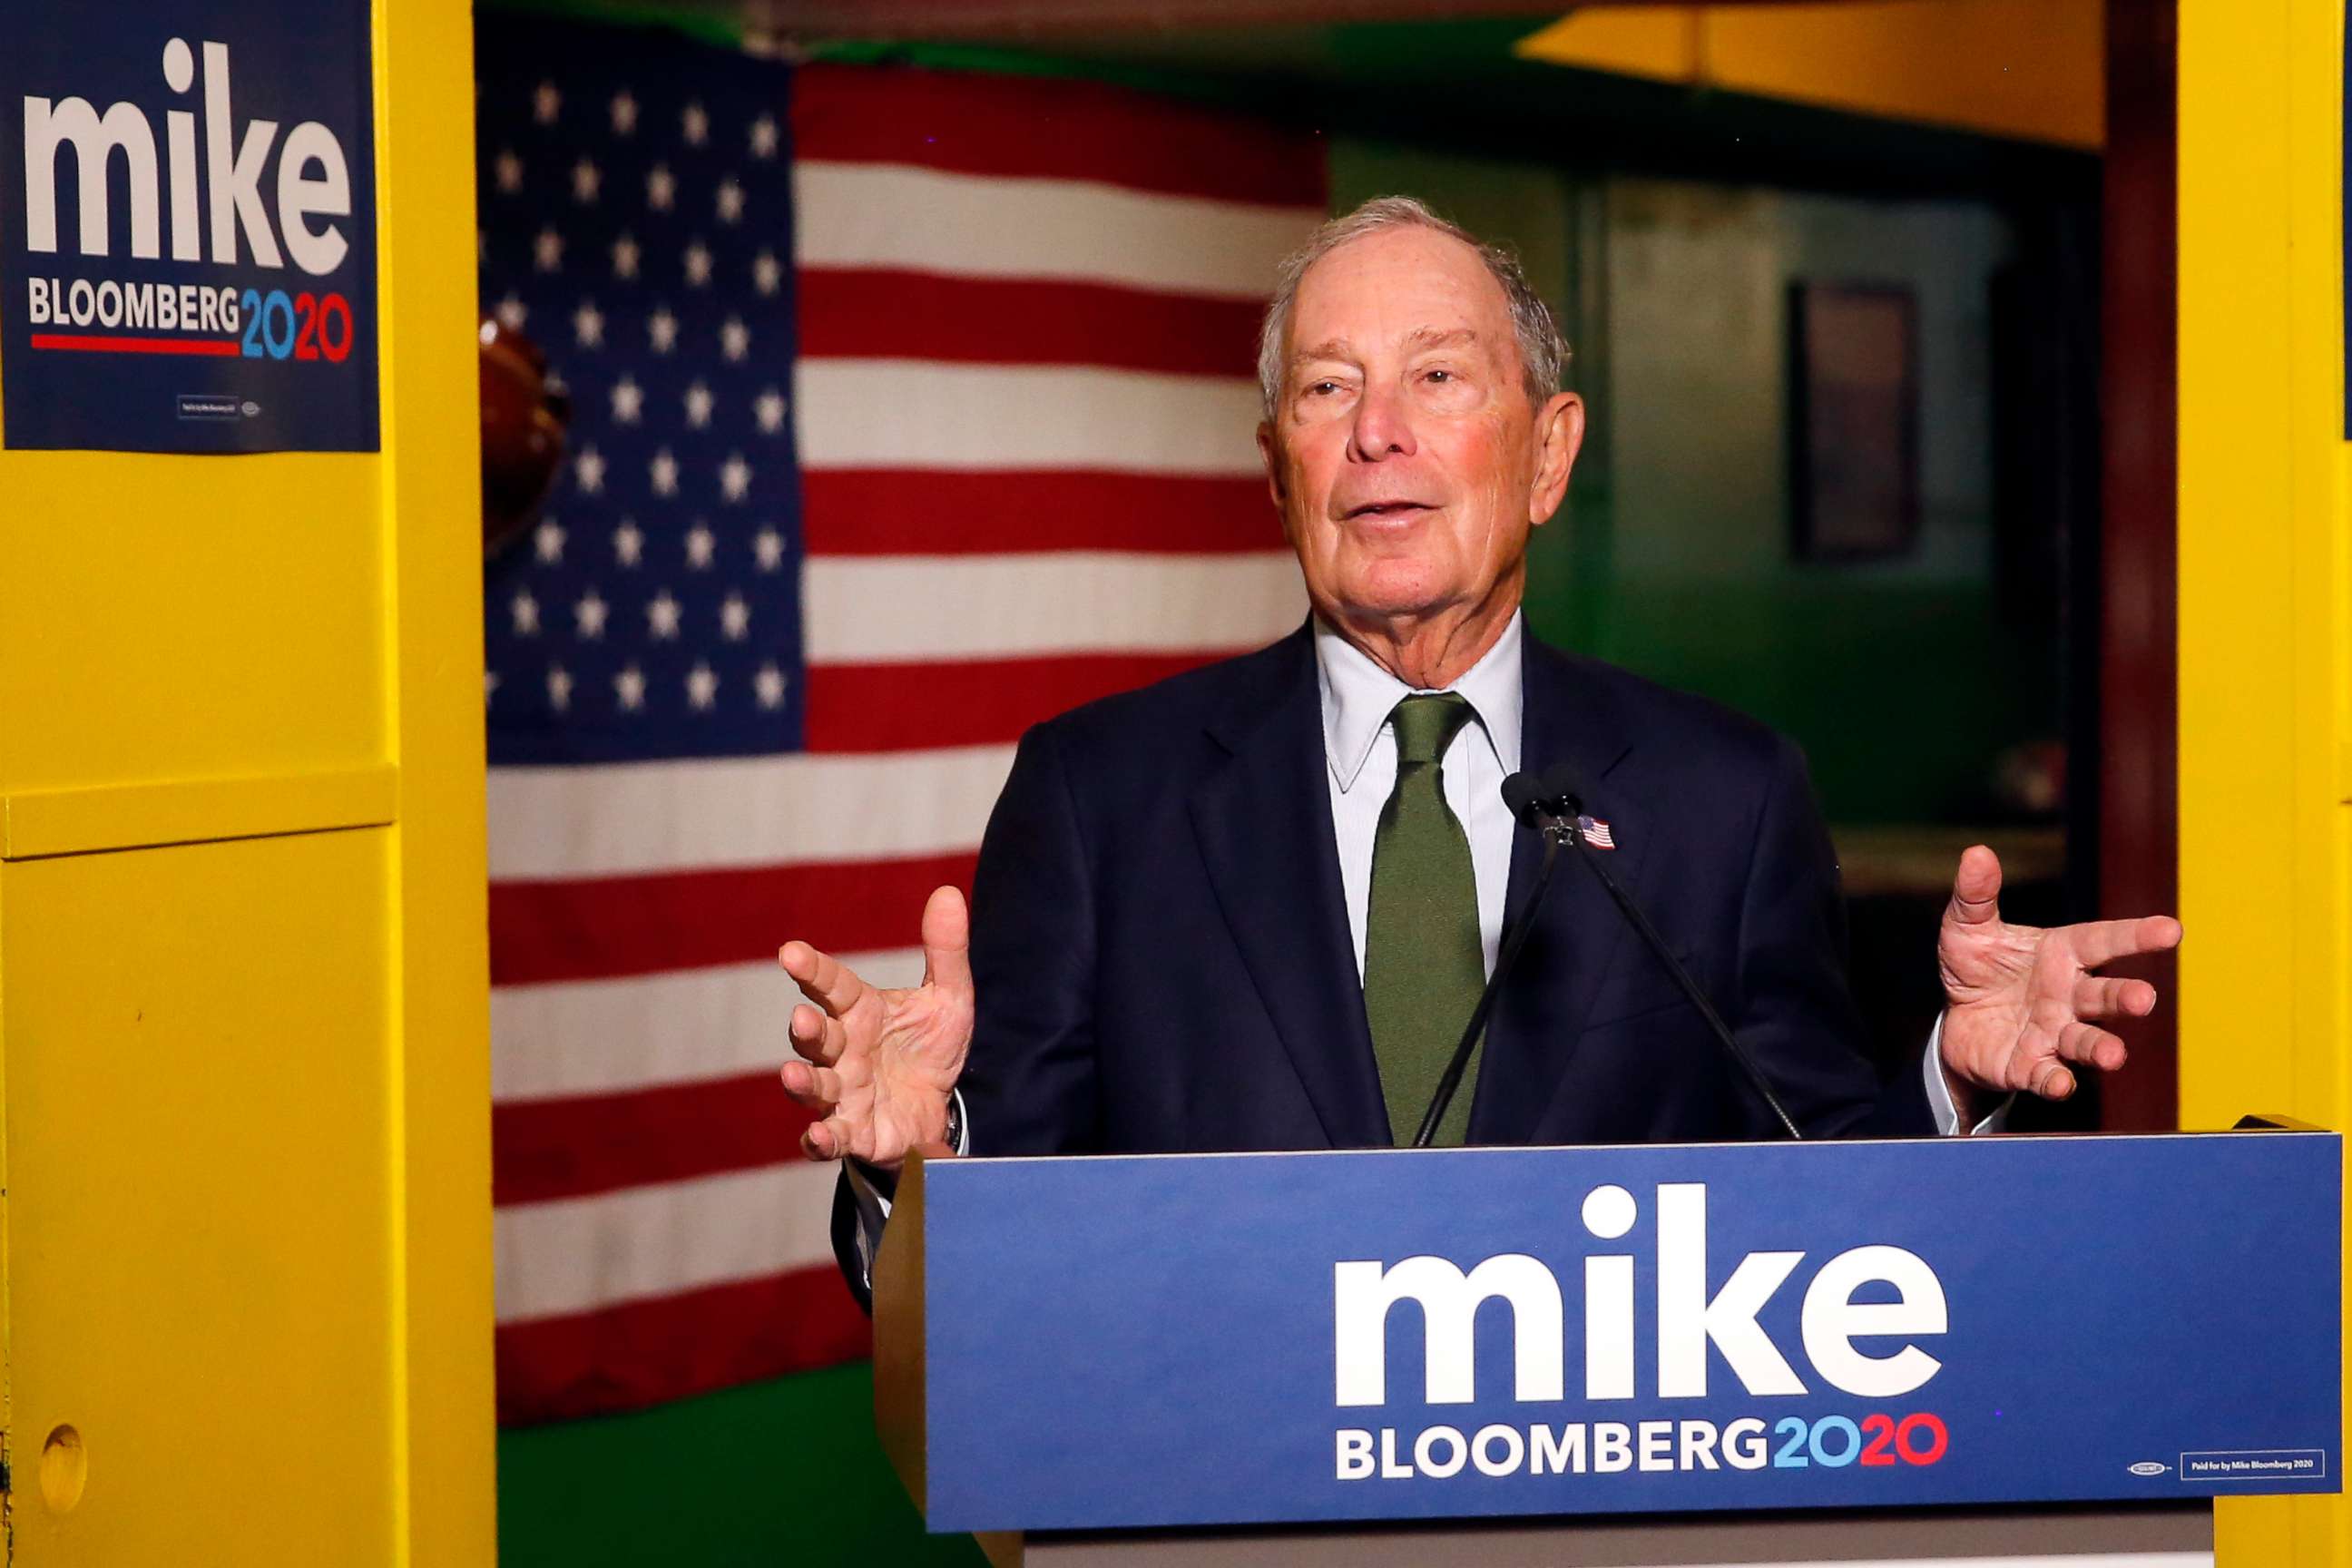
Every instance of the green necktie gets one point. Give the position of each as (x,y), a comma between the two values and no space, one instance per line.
(1423,961)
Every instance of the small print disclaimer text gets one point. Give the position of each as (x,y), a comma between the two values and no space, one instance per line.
(2254,1465)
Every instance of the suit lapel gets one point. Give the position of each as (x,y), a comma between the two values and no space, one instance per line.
(1267,808)
(1579,935)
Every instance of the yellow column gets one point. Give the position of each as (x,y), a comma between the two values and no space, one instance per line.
(2265,751)
(243,1006)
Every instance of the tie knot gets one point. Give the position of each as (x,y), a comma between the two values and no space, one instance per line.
(1426,724)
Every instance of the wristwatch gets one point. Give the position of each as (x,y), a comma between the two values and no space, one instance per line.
(955,1122)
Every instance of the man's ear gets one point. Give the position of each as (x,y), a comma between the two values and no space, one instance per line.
(1560,434)
(1271,456)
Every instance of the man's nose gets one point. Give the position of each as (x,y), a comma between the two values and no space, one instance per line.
(1383,426)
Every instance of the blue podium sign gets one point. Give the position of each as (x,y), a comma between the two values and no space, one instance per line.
(1173,1341)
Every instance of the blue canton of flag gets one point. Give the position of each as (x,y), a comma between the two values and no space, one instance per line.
(646,243)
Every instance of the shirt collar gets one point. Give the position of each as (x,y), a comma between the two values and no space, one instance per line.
(1359,695)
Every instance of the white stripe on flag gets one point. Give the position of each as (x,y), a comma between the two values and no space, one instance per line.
(930,413)
(577,1254)
(980,225)
(549,822)
(606,1037)
(894,608)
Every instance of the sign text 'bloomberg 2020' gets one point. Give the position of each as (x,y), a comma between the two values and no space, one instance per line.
(188,250)
(1888,1364)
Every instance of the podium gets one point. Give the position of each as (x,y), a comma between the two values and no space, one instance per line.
(2019,1350)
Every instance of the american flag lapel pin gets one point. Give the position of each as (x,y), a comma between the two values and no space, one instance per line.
(1596,832)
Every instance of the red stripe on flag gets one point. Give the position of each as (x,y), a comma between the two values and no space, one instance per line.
(672,1347)
(592,1144)
(91,344)
(914,707)
(601,927)
(979,124)
(893,511)
(919,315)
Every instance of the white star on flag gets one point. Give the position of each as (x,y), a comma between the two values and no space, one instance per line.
(661,187)
(588,615)
(509,171)
(625,113)
(701,546)
(698,405)
(663,328)
(512,313)
(770,684)
(547,250)
(735,476)
(628,401)
(629,686)
(769,407)
(665,472)
(701,686)
(768,549)
(731,201)
(735,339)
(628,542)
(734,619)
(489,686)
(695,124)
(624,257)
(546,103)
(767,272)
(525,610)
(661,617)
(698,264)
(588,325)
(558,688)
(591,466)
(549,541)
(764,139)
(585,180)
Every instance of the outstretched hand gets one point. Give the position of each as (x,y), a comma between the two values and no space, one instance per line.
(878,1065)
(2018,1000)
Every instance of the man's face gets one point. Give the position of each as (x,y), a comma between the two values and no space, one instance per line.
(1403,453)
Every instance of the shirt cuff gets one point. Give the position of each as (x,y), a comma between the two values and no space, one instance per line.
(1939,1093)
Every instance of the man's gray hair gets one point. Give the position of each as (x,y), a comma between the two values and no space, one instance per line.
(1542,353)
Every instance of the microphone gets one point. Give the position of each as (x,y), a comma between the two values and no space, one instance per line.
(1561,784)
(1535,805)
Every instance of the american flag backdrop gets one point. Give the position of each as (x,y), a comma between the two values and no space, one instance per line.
(911,409)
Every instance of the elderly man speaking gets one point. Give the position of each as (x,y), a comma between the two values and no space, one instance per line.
(1252,907)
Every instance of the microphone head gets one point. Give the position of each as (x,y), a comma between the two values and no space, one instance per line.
(1525,797)
(1563,787)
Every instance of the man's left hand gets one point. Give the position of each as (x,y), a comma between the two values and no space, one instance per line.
(2019,999)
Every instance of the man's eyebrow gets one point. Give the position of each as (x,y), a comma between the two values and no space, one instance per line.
(1431,338)
(1329,348)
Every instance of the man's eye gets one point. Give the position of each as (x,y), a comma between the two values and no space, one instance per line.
(1322,389)
(1440,376)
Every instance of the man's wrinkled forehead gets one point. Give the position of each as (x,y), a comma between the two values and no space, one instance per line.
(1400,287)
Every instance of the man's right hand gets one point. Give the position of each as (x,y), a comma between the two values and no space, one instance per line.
(880,1063)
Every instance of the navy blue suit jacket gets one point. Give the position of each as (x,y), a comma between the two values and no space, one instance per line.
(1164,963)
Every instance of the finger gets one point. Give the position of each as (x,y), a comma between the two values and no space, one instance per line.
(823,978)
(2103,942)
(818,1088)
(819,1038)
(1976,888)
(2052,1079)
(2092,1045)
(2096,996)
(826,1140)
(947,940)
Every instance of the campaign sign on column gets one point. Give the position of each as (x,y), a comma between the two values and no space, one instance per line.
(1241,1339)
(187,226)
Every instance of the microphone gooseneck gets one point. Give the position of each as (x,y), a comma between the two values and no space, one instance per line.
(1532,804)
(1560,783)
